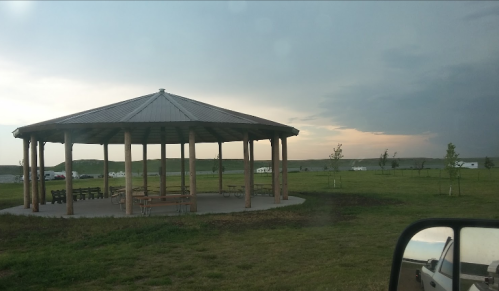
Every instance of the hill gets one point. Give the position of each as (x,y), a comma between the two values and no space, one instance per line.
(173,165)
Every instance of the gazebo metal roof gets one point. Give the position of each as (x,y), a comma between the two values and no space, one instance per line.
(152,116)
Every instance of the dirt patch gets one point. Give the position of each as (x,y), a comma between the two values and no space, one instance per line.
(324,209)
(5,273)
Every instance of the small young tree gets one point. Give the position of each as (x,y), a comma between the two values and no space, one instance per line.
(488,164)
(395,162)
(419,165)
(451,166)
(334,160)
(214,168)
(383,158)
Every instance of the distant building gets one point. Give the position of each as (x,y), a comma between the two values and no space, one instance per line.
(359,169)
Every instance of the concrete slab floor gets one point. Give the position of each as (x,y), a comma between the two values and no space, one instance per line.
(207,203)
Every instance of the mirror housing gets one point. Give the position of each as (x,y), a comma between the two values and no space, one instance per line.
(456,225)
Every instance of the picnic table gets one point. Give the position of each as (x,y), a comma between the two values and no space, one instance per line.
(231,190)
(146,203)
(263,189)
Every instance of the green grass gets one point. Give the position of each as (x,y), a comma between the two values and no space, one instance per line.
(323,244)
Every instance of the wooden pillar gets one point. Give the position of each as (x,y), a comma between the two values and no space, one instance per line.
(220,172)
(34,175)
(26,172)
(144,166)
(284,168)
(128,171)
(41,157)
(182,167)
(162,185)
(247,185)
(68,148)
(272,163)
(192,169)
(252,167)
(106,171)
(275,169)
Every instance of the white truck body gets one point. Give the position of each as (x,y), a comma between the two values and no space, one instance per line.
(439,277)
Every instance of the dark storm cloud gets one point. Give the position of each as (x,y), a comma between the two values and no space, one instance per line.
(459,103)
(403,58)
(490,12)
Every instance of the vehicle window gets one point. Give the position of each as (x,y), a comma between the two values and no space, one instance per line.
(446,268)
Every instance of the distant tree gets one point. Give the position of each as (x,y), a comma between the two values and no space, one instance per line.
(451,164)
(334,161)
(335,157)
(383,158)
(488,164)
(214,168)
(419,165)
(21,166)
(21,169)
(395,162)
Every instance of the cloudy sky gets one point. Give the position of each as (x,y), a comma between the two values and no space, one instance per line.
(407,76)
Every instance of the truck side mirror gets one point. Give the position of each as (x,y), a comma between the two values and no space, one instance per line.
(447,254)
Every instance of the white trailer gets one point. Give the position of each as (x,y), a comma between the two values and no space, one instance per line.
(467,165)
(264,170)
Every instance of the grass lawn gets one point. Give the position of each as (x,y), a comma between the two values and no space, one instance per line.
(339,239)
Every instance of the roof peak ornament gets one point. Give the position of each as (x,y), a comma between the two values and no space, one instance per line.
(162,90)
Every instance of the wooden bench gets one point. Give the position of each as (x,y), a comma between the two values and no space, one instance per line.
(95,192)
(59,196)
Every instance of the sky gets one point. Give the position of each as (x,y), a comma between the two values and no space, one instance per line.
(405,76)
(428,243)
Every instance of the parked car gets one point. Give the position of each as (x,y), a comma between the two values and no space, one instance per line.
(85,176)
(59,177)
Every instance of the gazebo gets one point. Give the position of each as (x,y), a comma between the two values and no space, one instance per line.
(158,118)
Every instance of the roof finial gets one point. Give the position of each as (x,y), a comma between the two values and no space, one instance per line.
(161,90)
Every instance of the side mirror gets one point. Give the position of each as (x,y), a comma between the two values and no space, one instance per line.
(447,254)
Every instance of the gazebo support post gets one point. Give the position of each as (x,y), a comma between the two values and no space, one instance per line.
(272,143)
(284,142)
(220,167)
(275,169)
(41,157)
(192,169)
(106,171)
(162,186)
(128,171)
(144,166)
(34,175)
(247,186)
(252,167)
(68,149)
(26,172)
(182,167)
